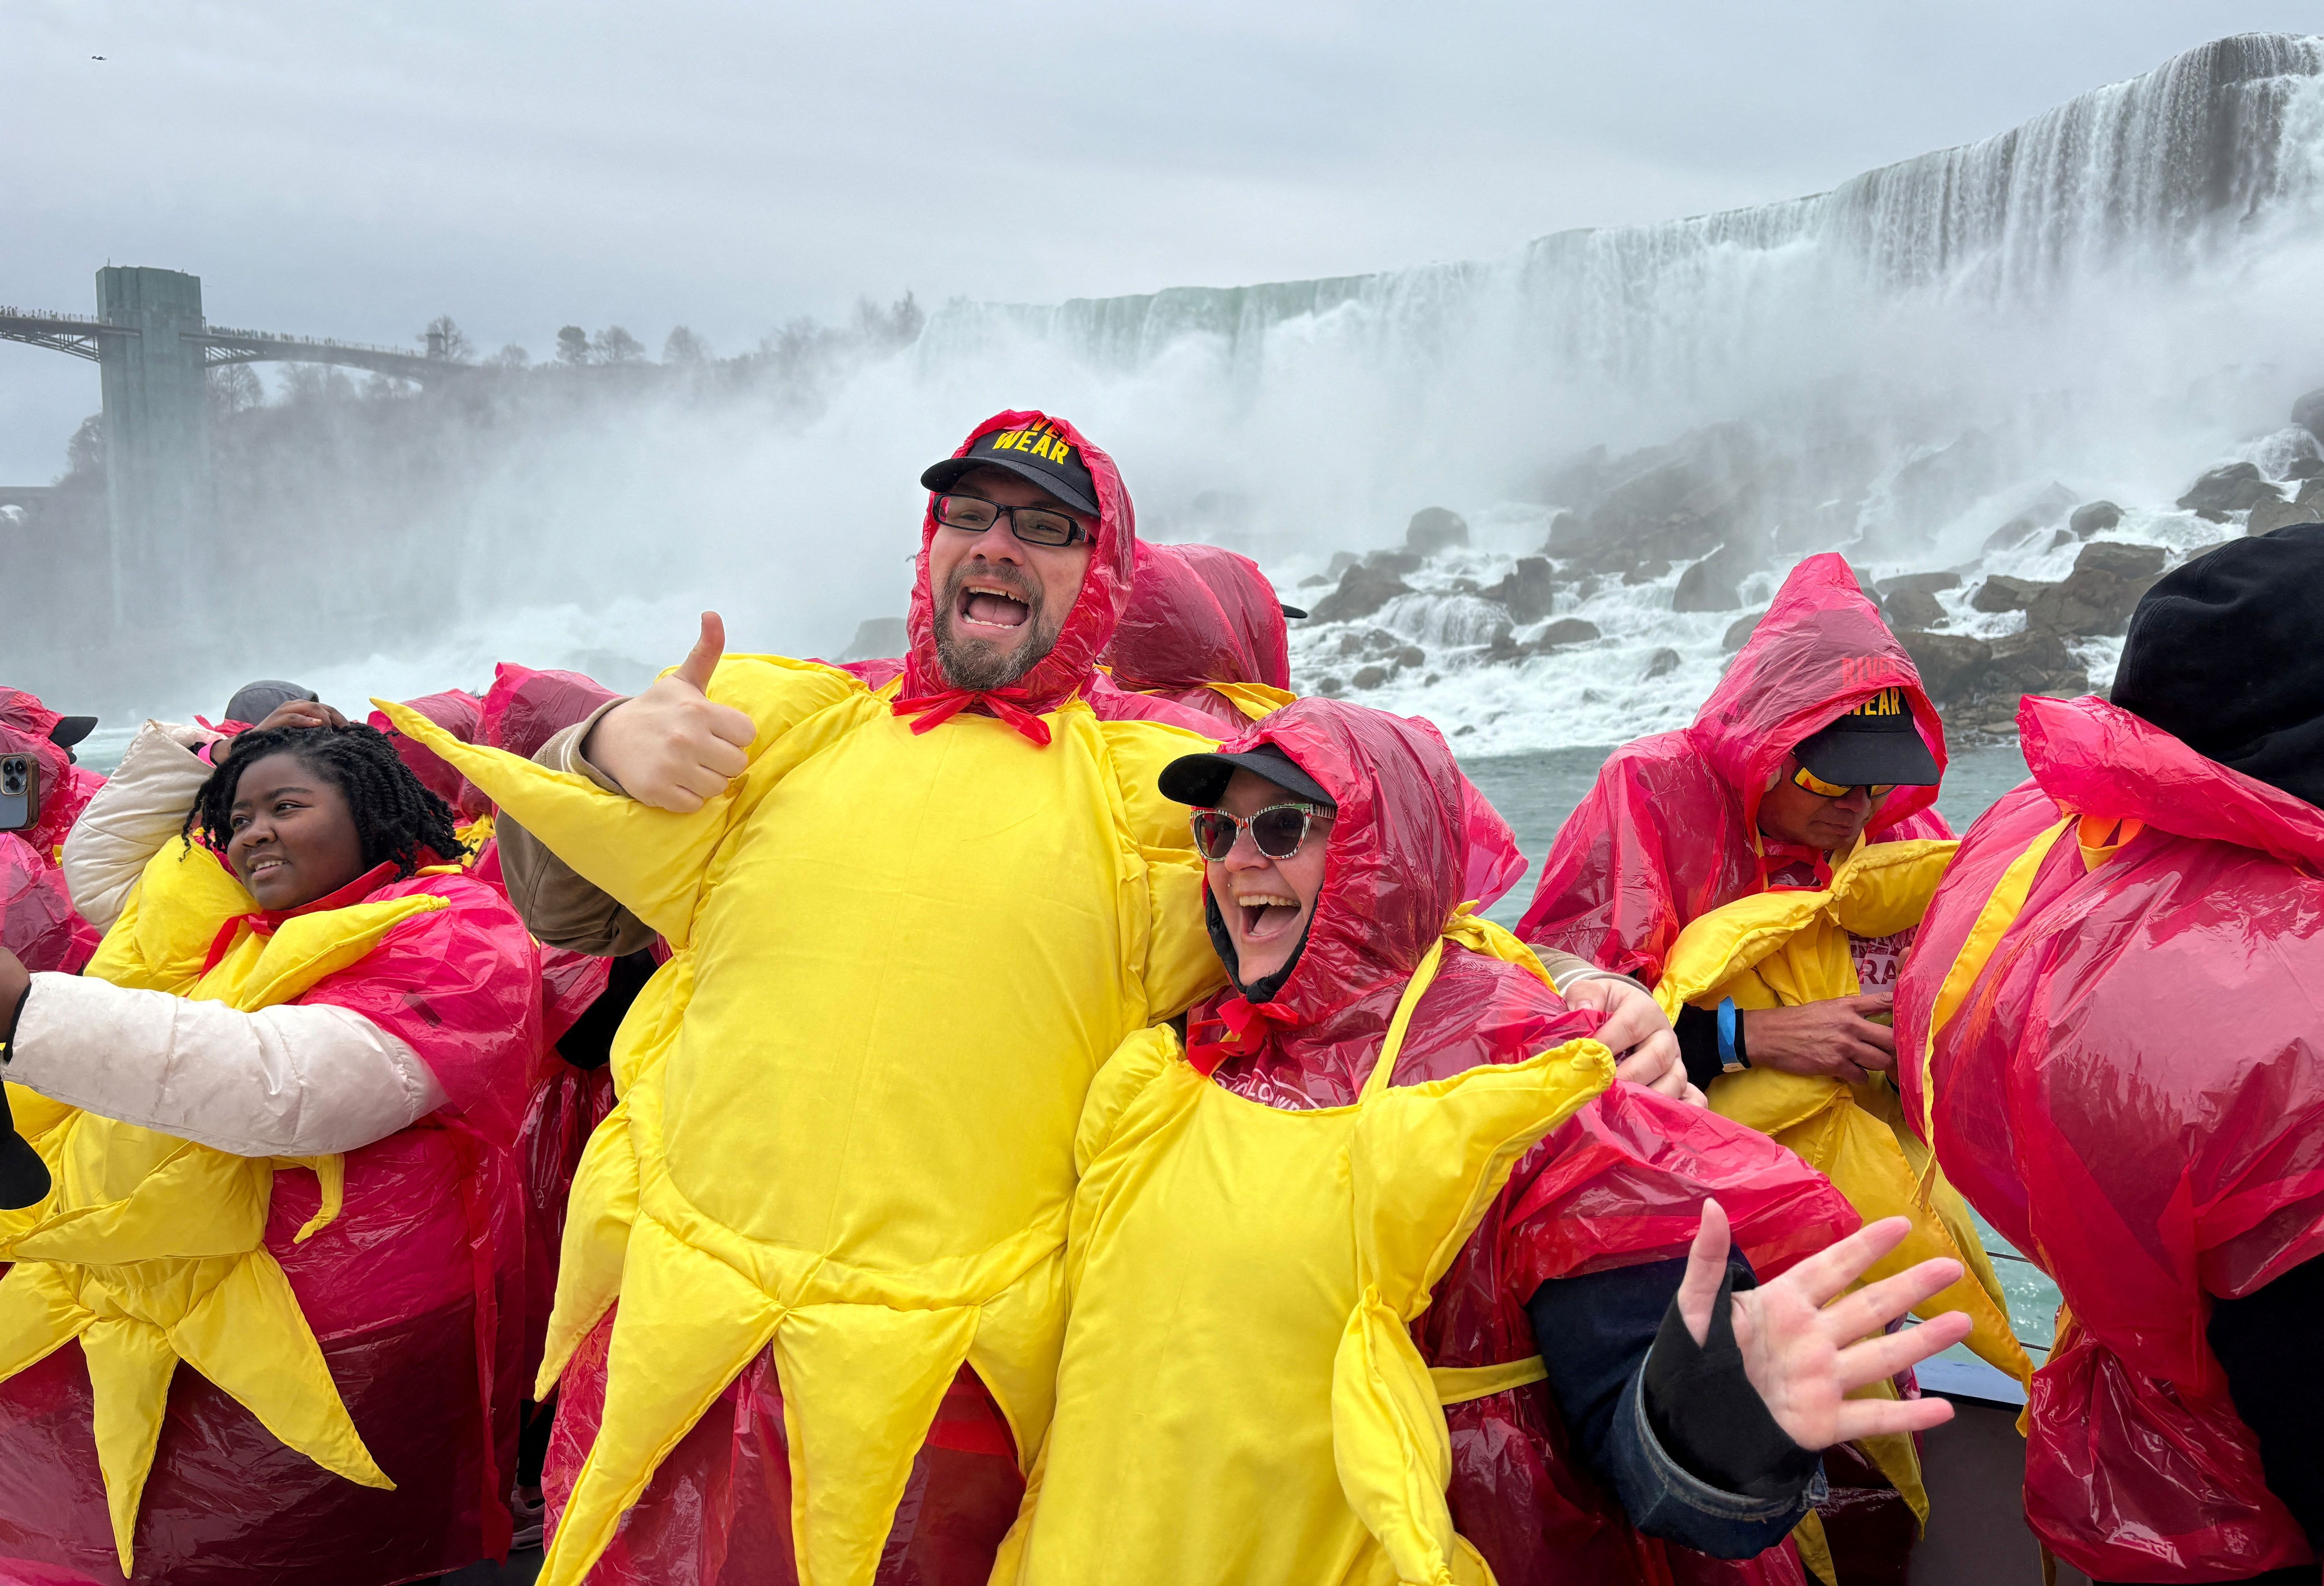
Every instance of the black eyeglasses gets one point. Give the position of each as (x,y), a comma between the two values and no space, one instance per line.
(1277,830)
(1035,525)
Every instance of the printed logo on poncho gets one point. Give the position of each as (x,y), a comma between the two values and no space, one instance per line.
(1874,671)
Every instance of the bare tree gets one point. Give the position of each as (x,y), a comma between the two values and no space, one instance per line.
(511,357)
(234,388)
(573,346)
(886,329)
(684,346)
(445,339)
(614,345)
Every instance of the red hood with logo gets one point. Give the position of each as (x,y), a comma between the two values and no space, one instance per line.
(1199,615)
(1670,832)
(2132,1091)
(1622,1181)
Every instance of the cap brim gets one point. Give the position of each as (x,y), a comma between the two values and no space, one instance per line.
(70,729)
(1870,759)
(1292,613)
(1201,780)
(24,1176)
(944,475)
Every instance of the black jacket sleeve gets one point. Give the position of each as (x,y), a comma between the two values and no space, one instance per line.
(2269,1341)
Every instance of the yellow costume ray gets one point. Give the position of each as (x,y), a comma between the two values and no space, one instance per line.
(848,1101)
(149,1250)
(1781,949)
(1290,1430)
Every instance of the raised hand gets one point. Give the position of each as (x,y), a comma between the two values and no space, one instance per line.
(1806,1342)
(670,747)
(302,713)
(1638,1034)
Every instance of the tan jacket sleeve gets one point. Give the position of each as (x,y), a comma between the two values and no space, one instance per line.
(558,906)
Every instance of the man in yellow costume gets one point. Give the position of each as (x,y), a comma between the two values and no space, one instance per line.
(812,1291)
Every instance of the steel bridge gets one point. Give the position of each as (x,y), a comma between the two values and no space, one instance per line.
(153,351)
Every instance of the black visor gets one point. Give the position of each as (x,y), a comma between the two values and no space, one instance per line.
(24,1176)
(1201,780)
(1040,454)
(1874,744)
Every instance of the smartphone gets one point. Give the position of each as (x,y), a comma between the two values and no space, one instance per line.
(20,792)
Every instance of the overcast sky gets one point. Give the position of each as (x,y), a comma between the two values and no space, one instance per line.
(352,169)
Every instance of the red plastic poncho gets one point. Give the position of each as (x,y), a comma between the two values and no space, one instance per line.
(457,712)
(38,922)
(717,1512)
(1622,1181)
(523,711)
(2131,1090)
(65,788)
(1670,832)
(414,1294)
(1199,615)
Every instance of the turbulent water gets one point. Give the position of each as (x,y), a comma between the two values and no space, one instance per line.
(2113,296)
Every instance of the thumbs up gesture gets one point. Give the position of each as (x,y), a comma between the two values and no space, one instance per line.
(671,747)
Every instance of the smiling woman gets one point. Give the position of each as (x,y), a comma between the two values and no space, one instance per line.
(295,1066)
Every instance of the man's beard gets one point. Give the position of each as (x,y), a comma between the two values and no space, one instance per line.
(977,664)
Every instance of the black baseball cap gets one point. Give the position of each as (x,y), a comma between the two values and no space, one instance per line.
(70,729)
(1040,453)
(253,703)
(24,1176)
(1201,780)
(1874,744)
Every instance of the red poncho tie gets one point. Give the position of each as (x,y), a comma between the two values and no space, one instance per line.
(2131,1088)
(1621,1183)
(1670,832)
(413,1293)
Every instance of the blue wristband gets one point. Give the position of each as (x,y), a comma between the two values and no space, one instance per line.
(1726,1033)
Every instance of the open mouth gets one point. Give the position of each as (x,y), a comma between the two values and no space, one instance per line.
(990,605)
(261,868)
(1266,916)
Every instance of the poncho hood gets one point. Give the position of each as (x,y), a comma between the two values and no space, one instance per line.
(457,712)
(1199,615)
(1400,852)
(1066,669)
(24,727)
(1821,650)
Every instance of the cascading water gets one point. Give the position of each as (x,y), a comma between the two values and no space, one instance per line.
(2111,298)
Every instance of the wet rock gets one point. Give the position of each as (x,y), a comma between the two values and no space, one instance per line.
(875,636)
(2099,596)
(2096,518)
(1526,594)
(1363,589)
(1646,572)
(1331,688)
(1711,584)
(1948,663)
(2003,593)
(2059,539)
(1913,608)
(1739,631)
(1660,664)
(2035,662)
(1411,655)
(1566,537)
(1930,489)
(2275,515)
(2307,413)
(1314,581)
(1369,643)
(1342,561)
(1371,677)
(1433,529)
(2237,487)
(1565,630)
(1398,561)
(2047,509)
(2312,494)
(1929,582)
(2305,467)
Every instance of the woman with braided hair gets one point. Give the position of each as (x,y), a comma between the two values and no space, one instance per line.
(278,1115)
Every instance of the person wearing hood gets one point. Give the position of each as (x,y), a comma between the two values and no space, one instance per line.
(268,1135)
(1819,737)
(1374,1278)
(43,792)
(812,1282)
(2110,1038)
(1203,628)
